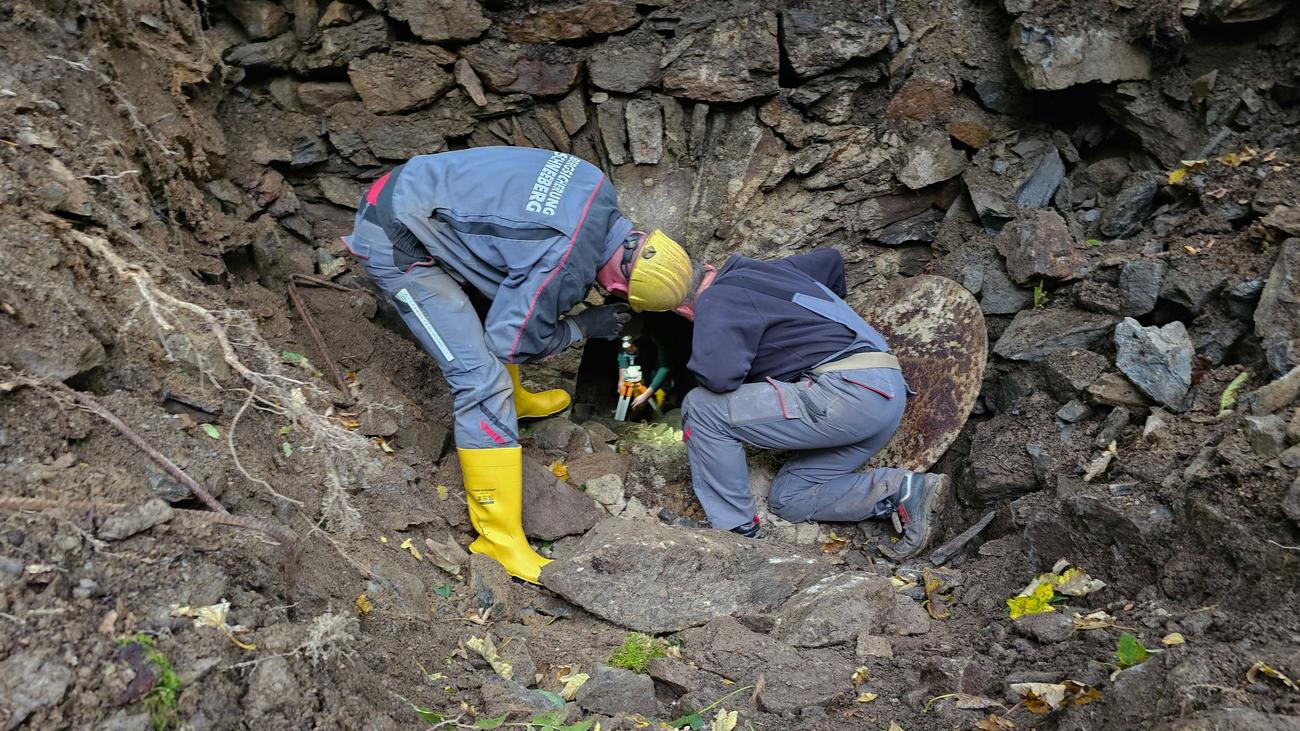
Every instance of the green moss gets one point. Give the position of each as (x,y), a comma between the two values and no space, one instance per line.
(637,651)
(161,701)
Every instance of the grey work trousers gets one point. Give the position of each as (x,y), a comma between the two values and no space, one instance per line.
(442,318)
(836,421)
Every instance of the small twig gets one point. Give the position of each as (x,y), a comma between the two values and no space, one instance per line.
(115,176)
(1279,545)
(316,336)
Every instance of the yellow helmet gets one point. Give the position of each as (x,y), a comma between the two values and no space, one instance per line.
(661,275)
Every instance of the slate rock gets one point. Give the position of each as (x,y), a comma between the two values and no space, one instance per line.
(316,97)
(552,508)
(306,14)
(1001,296)
(31,680)
(1073,411)
(920,98)
(793,679)
(362,136)
(340,191)
(276,53)
(1037,245)
(261,19)
(490,586)
(1191,283)
(608,491)
(657,578)
(129,521)
(555,434)
(723,59)
(502,697)
(441,20)
(616,692)
(820,35)
(627,63)
(1112,427)
(645,131)
(1157,360)
(337,13)
(908,618)
(1114,389)
(548,25)
(1043,182)
(869,646)
(535,69)
(272,687)
(1277,317)
(1166,130)
(406,77)
(1033,334)
(1139,285)
(1046,628)
(1266,434)
(334,48)
(612,121)
(931,159)
(1047,59)
(1127,211)
(835,610)
(1071,371)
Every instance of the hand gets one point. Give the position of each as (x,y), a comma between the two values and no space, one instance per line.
(644,397)
(606,321)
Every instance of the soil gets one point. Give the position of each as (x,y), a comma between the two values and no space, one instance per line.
(158,190)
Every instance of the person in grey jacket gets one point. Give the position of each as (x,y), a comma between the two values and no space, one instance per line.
(532,231)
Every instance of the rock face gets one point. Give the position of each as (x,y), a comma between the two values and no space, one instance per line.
(835,610)
(335,48)
(540,70)
(1047,59)
(572,23)
(441,20)
(931,159)
(1277,317)
(627,63)
(1157,360)
(405,78)
(792,679)
(1037,245)
(821,35)
(724,60)
(656,578)
(1035,333)
(615,691)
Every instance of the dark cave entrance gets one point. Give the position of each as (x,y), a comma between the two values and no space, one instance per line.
(662,339)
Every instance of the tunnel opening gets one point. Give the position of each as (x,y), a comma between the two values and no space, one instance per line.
(659,343)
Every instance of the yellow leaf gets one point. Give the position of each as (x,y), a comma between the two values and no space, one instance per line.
(488,651)
(409,546)
(383,444)
(363,605)
(442,492)
(383,539)
(1076,582)
(1172,639)
(728,681)
(725,720)
(1035,603)
(560,470)
(1177,174)
(572,682)
(861,675)
(867,697)
(893,726)
(1271,672)
(1096,620)
(214,615)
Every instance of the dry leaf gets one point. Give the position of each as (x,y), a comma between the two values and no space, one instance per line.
(1076,582)
(1047,697)
(1172,639)
(572,682)
(974,702)
(861,675)
(488,651)
(560,470)
(725,720)
(893,726)
(383,444)
(1095,620)
(867,697)
(214,615)
(363,605)
(442,492)
(409,546)
(1271,672)
(995,723)
(935,603)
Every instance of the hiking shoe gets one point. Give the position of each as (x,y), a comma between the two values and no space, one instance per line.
(915,513)
(751,529)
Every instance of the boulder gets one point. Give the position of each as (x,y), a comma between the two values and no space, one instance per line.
(441,20)
(1048,59)
(835,610)
(731,58)
(1157,360)
(657,578)
(931,159)
(276,53)
(538,70)
(1033,334)
(335,48)
(552,508)
(1037,245)
(1277,317)
(627,63)
(406,77)
(792,679)
(549,25)
(261,19)
(1127,211)
(616,692)
(820,35)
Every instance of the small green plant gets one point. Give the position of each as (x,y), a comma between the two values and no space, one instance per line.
(1094,243)
(161,701)
(1040,296)
(636,652)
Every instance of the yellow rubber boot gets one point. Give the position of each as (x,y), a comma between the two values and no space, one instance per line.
(494,484)
(529,405)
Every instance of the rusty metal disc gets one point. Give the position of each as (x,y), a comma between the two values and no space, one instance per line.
(935,327)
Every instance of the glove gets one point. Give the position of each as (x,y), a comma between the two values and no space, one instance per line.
(606,321)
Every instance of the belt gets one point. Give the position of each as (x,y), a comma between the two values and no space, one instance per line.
(860,361)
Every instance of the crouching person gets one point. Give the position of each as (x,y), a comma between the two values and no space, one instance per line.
(784,363)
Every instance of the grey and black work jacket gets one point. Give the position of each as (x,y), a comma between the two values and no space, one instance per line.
(527,228)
